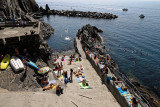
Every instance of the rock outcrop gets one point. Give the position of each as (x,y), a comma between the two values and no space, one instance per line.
(17,8)
(91,42)
(74,13)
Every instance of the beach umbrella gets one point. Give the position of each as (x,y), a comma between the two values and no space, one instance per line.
(43,70)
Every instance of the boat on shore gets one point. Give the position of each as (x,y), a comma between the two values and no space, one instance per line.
(5,62)
(16,64)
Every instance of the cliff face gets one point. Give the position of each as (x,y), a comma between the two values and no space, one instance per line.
(15,8)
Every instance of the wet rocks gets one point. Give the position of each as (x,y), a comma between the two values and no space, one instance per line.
(46,31)
(75,13)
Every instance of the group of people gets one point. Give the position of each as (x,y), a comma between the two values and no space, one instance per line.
(47,86)
(106,61)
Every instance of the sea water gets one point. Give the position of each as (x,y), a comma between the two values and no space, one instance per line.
(133,43)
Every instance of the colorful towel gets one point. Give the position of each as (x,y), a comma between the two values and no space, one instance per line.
(84,87)
(61,77)
(79,79)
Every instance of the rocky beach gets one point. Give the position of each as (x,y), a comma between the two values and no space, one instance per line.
(26,85)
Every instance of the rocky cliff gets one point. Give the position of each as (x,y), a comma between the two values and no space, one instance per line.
(17,8)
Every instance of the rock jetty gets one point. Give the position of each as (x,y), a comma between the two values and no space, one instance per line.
(92,43)
(74,13)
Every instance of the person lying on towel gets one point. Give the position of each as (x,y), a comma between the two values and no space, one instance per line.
(51,86)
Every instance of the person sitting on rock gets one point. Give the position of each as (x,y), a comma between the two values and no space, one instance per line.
(76,59)
(44,81)
(134,102)
(59,90)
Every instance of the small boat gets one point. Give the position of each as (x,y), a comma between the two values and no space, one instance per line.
(16,64)
(142,16)
(5,62)
(125,9)
(32,64)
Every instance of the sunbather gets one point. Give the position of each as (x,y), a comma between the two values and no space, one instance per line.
(51,86)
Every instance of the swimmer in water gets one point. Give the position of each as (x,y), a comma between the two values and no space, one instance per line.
(134,62)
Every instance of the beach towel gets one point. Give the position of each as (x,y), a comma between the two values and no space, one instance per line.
(61,77)
(79,61)
(79,79)
(125,93)
(84,87)
(52,81)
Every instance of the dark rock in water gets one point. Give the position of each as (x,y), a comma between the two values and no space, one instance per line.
(125,9)
(47,8)
(141,16)
(74,13)
(46,31)
(41,9)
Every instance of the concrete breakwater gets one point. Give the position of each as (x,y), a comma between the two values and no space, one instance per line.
(106,68)
(74,13)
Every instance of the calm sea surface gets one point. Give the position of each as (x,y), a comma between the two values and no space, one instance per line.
(128,38)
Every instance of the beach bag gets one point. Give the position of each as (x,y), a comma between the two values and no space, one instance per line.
(86,84)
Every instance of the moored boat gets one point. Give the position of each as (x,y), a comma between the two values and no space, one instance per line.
(5,62)
(16,64)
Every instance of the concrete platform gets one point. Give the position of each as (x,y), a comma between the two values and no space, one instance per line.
(16,31)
